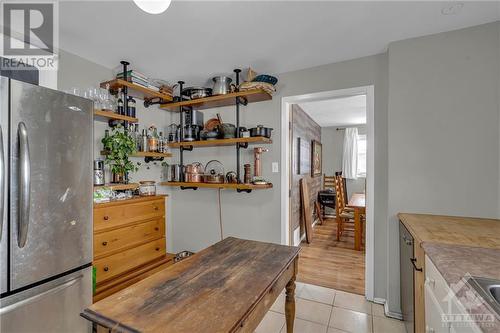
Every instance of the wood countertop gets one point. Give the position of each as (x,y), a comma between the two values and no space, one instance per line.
(465,231)
(214,290)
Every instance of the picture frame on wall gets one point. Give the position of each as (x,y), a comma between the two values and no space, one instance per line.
(316,158)
(304,154)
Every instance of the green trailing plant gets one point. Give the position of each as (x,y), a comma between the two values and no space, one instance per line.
(119,145)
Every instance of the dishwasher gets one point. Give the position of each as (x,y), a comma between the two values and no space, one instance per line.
(406,256)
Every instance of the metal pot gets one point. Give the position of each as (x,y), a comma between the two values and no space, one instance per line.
(228,130)
(176,171)
(261,131)
(222,85)
(196,92)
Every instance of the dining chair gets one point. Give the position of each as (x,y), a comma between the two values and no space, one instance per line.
(342,216)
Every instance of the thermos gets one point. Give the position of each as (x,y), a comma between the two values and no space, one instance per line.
(98,172)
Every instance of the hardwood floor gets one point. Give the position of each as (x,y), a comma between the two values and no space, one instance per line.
(328,263)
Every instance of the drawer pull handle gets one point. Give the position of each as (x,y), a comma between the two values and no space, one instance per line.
(106,269)
(157,249)
(413,261)
(104,243)
(156,208)
(106,218)
(156,228)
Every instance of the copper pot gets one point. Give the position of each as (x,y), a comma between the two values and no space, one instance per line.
(193,177)
(195,167)
(194,173)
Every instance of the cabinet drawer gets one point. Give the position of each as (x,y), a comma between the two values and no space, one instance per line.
(115,216)
(124,261)
(110,242)
(436,284)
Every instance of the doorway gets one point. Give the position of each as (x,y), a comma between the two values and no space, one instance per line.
(325,234)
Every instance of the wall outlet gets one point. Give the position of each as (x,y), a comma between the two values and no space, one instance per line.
(276,167)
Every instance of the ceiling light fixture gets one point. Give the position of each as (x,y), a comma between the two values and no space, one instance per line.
(153,6)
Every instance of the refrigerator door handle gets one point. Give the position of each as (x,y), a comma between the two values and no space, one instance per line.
(2,181)
(24,185)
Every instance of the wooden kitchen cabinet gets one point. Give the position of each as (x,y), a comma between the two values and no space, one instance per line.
(129,242)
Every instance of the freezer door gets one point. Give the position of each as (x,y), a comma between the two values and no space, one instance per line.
(51,183)
(51,308)
(4,136)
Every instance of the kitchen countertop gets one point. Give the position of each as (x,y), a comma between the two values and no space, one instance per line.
(455,261)
(467,231)
(459,245)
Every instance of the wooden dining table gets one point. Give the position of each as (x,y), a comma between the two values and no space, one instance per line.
(227,287)
(357,202)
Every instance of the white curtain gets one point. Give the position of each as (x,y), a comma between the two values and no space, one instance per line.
(350,154)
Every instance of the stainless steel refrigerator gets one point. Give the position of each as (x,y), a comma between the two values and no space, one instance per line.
(46,205)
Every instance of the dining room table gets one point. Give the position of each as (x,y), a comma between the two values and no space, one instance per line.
(227,287)
(358,203)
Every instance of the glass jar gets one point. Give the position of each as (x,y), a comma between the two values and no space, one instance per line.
(147,188)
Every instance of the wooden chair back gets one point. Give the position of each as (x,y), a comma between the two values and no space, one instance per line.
(328,182)
(306,209)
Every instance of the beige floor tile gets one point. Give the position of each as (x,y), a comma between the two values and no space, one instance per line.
(378,310)
(352,302)
(279,304)
(335,330)
(312,311)
(351,321)
(317,294)
(304,326)
(272,323)
(387,325)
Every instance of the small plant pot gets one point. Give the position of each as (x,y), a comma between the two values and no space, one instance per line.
(119,178)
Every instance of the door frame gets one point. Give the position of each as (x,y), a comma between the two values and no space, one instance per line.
(286,103)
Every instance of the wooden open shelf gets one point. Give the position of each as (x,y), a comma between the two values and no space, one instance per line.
(136,90)
(119,187)
(223,186)
(151,154)
(145,154)
(221,142)
(252,96)
(108,114)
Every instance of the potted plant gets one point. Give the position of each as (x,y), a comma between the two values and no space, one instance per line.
(119,146)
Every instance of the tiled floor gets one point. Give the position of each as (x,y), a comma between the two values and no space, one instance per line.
(323,310)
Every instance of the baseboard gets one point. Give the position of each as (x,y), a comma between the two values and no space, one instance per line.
(395,315)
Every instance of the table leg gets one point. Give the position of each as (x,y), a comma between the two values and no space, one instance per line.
(357,230)
(290,305)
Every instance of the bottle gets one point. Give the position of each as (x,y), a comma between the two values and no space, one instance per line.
(153,140)
(161,143)
(144,137)
(131,107)
(119,102)
(137,137)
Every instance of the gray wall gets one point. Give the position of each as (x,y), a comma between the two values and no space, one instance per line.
(257,215)
(78,72)
(443,130)
(333,143)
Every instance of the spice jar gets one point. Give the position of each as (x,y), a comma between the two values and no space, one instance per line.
(147,188)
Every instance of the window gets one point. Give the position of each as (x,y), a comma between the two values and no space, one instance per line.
(361,172)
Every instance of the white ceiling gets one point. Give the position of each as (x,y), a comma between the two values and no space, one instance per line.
(196,40)
(344,111)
